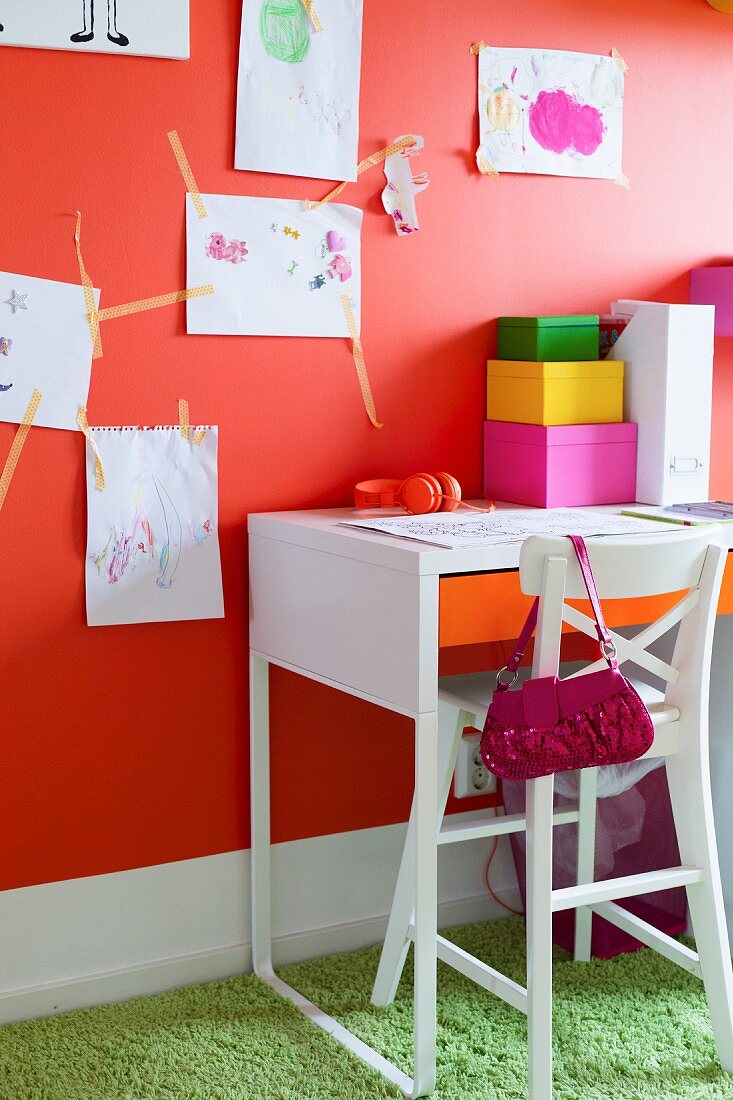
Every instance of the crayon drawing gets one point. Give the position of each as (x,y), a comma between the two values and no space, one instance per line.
(152,545)
(277,269)
(45,344)
(298,91)
(550,112)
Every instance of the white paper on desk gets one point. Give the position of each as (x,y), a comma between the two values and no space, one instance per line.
(298,93)
(152,533)
(277,269)
(46,345)
(551,112)
(453,531)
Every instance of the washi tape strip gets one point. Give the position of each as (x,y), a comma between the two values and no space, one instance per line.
(359,361)
(317,25)
(619,60)
(191,185)
(155,303)
(88,286)
(184,421)
(477,47)
(17,445)
(81,419)
(485,166)
(405,142)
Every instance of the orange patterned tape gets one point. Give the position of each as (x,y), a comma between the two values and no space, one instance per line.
(317,25)
(619,60)
(184,421)
(17,445)
(191,185)
(88,286)
(155,303)
(485,166)
(199,437)
(360,363)
(478,47)
(81,419)
(368,162)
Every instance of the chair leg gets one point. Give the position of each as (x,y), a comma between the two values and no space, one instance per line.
(692,805)
(539,936)
(397,941)
(587,797)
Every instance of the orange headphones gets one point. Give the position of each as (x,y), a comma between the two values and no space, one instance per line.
(419,494)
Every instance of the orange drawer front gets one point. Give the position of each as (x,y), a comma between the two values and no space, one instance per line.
(489,607)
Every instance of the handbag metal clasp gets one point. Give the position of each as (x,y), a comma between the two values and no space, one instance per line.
(506,683)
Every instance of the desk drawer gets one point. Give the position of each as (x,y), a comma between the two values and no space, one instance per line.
(489,607)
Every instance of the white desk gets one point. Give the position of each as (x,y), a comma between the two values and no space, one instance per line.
(357,611)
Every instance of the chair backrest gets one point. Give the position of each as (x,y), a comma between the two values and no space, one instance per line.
(690,560)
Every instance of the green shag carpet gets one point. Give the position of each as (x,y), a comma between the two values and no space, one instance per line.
(631,1028)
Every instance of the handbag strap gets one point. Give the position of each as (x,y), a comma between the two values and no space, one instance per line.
(608,649)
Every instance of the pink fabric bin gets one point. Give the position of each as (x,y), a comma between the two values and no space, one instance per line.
(570,465)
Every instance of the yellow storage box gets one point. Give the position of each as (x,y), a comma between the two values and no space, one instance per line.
(555,393)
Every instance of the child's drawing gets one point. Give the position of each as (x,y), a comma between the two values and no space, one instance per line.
(218,248)
(152,547)
(284,29)
(398,197)
(550,112)
(46,345)
(86,34)
(290,253)
(153,28)
(298,94)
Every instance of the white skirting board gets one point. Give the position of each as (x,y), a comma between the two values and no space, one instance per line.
(68,945)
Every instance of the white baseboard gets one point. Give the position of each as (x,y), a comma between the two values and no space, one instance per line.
(73,944)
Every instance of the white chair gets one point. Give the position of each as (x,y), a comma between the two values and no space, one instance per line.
(689,560)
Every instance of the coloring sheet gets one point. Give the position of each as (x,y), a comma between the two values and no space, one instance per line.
(45,344)
(152,533)
(298,95)
(453,530)
(158,29)
(277,269)
(550,112)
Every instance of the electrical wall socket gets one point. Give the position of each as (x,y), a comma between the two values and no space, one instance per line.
(471,777)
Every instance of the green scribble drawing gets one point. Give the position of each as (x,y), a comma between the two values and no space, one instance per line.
(284,29)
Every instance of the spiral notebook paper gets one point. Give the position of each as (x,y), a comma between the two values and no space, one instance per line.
(153,532)
(452,530)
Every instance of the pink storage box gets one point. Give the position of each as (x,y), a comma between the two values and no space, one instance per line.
(713,286)
(570,465)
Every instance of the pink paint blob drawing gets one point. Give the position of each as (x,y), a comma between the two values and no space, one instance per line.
(560,123)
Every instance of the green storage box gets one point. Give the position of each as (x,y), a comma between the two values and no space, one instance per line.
(549,339)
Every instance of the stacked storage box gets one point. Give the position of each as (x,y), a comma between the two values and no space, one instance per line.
(555,435)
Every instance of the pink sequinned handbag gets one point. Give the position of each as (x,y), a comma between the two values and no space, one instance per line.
(554,725)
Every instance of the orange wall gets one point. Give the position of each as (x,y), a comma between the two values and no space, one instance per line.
(127,746)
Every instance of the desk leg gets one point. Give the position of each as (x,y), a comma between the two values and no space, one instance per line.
(426,900)
(259,687)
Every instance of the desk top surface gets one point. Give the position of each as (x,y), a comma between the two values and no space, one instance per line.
(320,530)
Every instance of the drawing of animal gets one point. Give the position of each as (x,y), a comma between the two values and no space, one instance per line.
(87,33)
(5,345)
(218,248)
(340,266)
